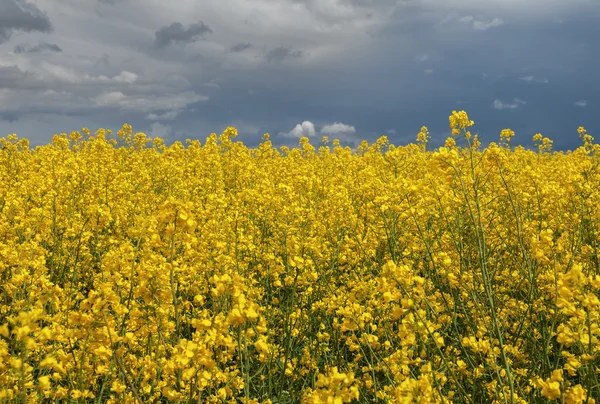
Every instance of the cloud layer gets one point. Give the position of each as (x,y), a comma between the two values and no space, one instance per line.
(349,68)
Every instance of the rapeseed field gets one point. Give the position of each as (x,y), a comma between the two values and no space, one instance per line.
(135,272)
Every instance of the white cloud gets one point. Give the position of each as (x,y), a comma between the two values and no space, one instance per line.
(428,71)
(169,115)
(337,128)
(113,98)
(159,130)
(306,128)
(530,79)
(126,77)
(479,24)
(582,103)
(508,105)
(51,72)
(422,58)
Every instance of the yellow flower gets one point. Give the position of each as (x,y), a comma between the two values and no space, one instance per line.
(118,387)
(44,383)
(577,395)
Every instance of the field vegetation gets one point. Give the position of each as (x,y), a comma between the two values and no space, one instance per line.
(135,272)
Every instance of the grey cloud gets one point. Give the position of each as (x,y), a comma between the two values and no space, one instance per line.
(498,104)
(9,116)
(176,32)
(240,47)
(17,15)
(41,47)
(141,103)
(159,130)
(169,115)
(55,89)
(370,3)
(281,53)
(26,102)
(13,77)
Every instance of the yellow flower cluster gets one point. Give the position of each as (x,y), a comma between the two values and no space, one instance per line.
(423,137)
(136,272)
(544,144)
(506,135)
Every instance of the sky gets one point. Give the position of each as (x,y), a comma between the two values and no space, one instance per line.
(349,69)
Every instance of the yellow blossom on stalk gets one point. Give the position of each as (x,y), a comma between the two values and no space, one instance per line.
(333,387)
(543,144)
(423,137)
(118,387)
(74,136)
(44,384)
(551,387)
(588,140)
(459,121)
(383,140)
(547,144)
(450,142)
(506,135)
(577,395)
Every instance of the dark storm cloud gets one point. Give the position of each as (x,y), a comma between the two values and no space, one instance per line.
(282,53)
(389,90)
(41,47)
(240,47)
(176,32)
(17,15)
